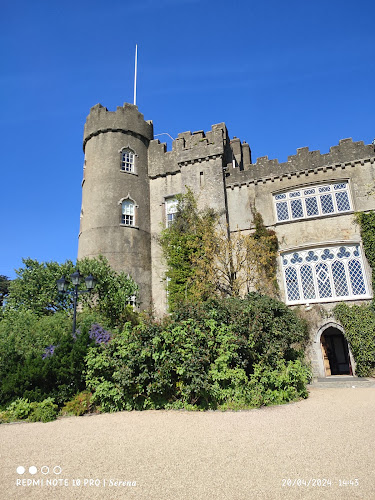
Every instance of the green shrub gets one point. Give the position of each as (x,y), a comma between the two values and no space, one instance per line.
(203,356)
(79,405)
(284,382)
(52,371)
(22,409)
(44,411)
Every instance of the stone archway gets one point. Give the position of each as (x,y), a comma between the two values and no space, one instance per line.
(335,352)
(329,331)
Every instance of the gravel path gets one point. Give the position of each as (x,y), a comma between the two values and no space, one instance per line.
(178,455)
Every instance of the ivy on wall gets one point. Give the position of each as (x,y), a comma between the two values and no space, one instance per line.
(366,222)
(203,262)
(359,321)
(359,325)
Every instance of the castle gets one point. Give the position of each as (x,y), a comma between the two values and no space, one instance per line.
(129,186)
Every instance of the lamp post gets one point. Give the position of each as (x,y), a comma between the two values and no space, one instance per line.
(62,287)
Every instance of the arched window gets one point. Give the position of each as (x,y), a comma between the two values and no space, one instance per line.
(324,274)
(128,161)
(128,213)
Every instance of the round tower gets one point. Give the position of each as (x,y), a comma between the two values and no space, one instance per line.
(115,214)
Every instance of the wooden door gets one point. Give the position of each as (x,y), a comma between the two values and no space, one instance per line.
(324,346)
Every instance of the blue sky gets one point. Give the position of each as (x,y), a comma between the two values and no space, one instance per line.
(281,75)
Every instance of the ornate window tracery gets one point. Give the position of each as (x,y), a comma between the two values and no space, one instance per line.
(324,274)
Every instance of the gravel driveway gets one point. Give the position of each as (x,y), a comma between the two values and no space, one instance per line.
(322,447)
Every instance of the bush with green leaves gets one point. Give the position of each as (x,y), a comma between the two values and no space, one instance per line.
(35,290)
(79,405)
(284,382)
(203,356)
(22,409)
(53,366)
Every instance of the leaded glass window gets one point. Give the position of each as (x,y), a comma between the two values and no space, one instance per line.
(315,201)
(324,274)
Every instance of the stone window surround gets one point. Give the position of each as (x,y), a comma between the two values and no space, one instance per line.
(123,150)
(136,207)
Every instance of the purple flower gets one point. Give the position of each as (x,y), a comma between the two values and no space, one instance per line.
(98,334)
(49,350)
(76,334)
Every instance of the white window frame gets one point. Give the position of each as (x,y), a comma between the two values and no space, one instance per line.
(128,213)
(128,161)
(320,262)
(305,193)
(170,210)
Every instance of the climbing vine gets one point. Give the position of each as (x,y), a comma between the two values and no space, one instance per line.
(359,321)
(359,325)
(366,222)
(204,262)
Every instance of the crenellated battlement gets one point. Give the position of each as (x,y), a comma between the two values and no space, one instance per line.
(125,119)
(305,160)
(187,148)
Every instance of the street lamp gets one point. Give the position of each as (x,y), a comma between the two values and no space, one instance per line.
(62,287)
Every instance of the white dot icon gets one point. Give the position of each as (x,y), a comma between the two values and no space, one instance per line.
(44,469)
(57,469)
(20,470)
(33,469)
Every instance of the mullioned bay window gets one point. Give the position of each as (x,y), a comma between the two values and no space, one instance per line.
(325,274)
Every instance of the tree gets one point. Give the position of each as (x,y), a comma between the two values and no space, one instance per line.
(35,288)
(4,288)
(204,261)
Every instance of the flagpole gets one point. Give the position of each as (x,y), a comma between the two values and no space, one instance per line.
(135,75)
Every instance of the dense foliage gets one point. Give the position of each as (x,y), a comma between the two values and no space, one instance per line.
(359,321)
(35,289)
(4,288)
(222,354)
(184,248)
(216,350)
(39,357)
(204,261)
(23,409)
(359,325)
(52,366)
(366,222)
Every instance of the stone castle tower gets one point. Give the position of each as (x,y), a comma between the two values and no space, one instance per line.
(115,214)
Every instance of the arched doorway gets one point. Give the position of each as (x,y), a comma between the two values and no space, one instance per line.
(335,352)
